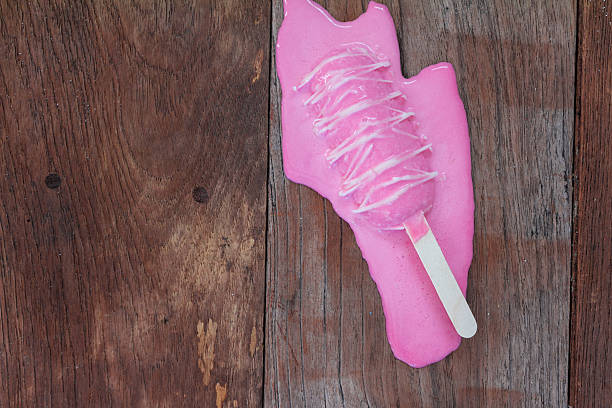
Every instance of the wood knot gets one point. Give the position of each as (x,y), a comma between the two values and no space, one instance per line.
(53,181)
(200,195)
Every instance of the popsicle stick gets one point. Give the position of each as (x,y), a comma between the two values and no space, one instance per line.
(441,276)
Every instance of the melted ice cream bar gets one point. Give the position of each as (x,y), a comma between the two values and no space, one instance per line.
(372,135)
(383,149)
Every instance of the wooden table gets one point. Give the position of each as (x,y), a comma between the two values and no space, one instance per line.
(152,253)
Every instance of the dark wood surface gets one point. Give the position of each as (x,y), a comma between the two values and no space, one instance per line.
(591,340)
(141,265)
(133,153)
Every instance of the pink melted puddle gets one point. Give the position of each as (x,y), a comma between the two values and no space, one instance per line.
(381,148)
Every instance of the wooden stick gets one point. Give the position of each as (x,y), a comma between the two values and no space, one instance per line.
(441,276)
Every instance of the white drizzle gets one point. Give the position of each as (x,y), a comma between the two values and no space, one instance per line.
(340,77)
(420,179)
(352,142)
(360,144)
(353,184)
(358,52)
(358,164)
(327,122)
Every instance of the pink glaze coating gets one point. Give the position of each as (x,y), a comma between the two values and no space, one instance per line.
(372,135)
(418,329)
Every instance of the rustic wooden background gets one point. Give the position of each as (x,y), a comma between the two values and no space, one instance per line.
(152,253)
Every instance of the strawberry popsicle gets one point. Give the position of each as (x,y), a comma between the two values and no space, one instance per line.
(371,134)
(384,150)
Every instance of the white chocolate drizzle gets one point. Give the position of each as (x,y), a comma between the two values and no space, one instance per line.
(352,184)
(336,85)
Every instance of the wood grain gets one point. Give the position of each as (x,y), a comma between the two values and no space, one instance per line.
(133,210)
(591,348)
(325,333)
(132,202)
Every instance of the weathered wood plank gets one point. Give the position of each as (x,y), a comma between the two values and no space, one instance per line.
(132,202)
(326,344)
(591,348)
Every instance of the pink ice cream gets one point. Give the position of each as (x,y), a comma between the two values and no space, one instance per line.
(381,148)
